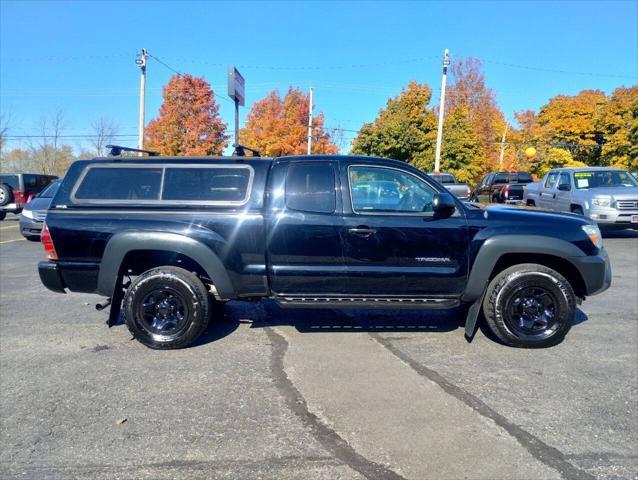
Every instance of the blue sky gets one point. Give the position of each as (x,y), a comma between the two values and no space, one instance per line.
(78,57)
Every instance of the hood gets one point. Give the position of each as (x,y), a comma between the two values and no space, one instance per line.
(38,204)
(531,215)
(616,193)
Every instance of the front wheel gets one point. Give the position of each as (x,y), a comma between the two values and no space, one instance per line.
(167,307)
(529,306)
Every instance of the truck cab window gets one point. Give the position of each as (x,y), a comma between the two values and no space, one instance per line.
(386,190)
(564,179)
(310,187)
(551,179)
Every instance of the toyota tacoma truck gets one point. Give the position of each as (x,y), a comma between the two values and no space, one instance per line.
(166,239)
(608,196)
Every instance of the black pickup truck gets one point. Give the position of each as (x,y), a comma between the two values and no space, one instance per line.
(166,238)
(501,187)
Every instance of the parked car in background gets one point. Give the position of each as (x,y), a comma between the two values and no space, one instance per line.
(608,196)
(34,212)
(17,188)
(166,238)
(459,190)
(501,187)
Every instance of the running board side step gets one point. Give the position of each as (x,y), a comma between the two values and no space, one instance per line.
(365,302)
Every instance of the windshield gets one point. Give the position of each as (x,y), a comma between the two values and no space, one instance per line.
(50,191)
(604,179)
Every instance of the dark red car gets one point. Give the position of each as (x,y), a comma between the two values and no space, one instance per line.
(16,189)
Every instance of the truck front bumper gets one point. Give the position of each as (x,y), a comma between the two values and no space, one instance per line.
(595,270)
(612,218)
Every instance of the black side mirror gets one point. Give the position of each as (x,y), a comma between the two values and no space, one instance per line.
(443,204)
(565,187)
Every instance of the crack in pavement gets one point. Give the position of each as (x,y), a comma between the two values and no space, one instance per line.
(550,456)
(326,436)
(176,464)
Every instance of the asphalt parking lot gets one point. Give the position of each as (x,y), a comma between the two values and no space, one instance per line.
(296,394)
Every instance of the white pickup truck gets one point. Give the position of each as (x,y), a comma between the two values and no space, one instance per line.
(608,196)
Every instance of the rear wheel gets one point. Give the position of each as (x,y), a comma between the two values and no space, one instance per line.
(530,306)
(167,307)
(531,203)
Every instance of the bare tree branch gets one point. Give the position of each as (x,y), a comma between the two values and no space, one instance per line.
(104,130)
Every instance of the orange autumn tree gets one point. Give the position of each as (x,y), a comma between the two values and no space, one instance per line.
(279,126)
(469,90)
(189,121)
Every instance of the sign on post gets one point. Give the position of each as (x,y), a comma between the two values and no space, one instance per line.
(236,86)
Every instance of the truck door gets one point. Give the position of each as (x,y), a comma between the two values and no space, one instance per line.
(546,194)
(562,202)
(484,189)
(303,227)
(394,245)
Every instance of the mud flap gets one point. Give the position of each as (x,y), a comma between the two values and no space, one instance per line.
(116,302)
(472,318)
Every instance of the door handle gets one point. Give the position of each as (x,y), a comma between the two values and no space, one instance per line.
(362,231)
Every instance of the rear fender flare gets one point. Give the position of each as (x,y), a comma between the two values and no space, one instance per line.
(495,247)
(123,243)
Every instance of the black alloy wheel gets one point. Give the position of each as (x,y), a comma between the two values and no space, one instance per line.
(531,312)
(163,311)
(529,305)
(167,307)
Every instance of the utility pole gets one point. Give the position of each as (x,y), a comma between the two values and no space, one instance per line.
(500,158)
(236,123)
(141,62)
(310,124)
(439,133)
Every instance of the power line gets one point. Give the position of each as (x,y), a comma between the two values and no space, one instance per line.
(555,70)
(163,63)
(67,136)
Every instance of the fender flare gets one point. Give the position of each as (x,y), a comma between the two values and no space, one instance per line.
(122,243)
(495,247)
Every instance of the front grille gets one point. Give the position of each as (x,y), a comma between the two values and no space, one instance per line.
(40,215)
(627,204)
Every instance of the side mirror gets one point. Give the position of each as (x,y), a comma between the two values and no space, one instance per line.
(443,204)
(565,187)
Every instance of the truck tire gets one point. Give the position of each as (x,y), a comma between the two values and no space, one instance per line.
(166,308)
(6,194)
(578,210)
(2,215)
(529,306)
